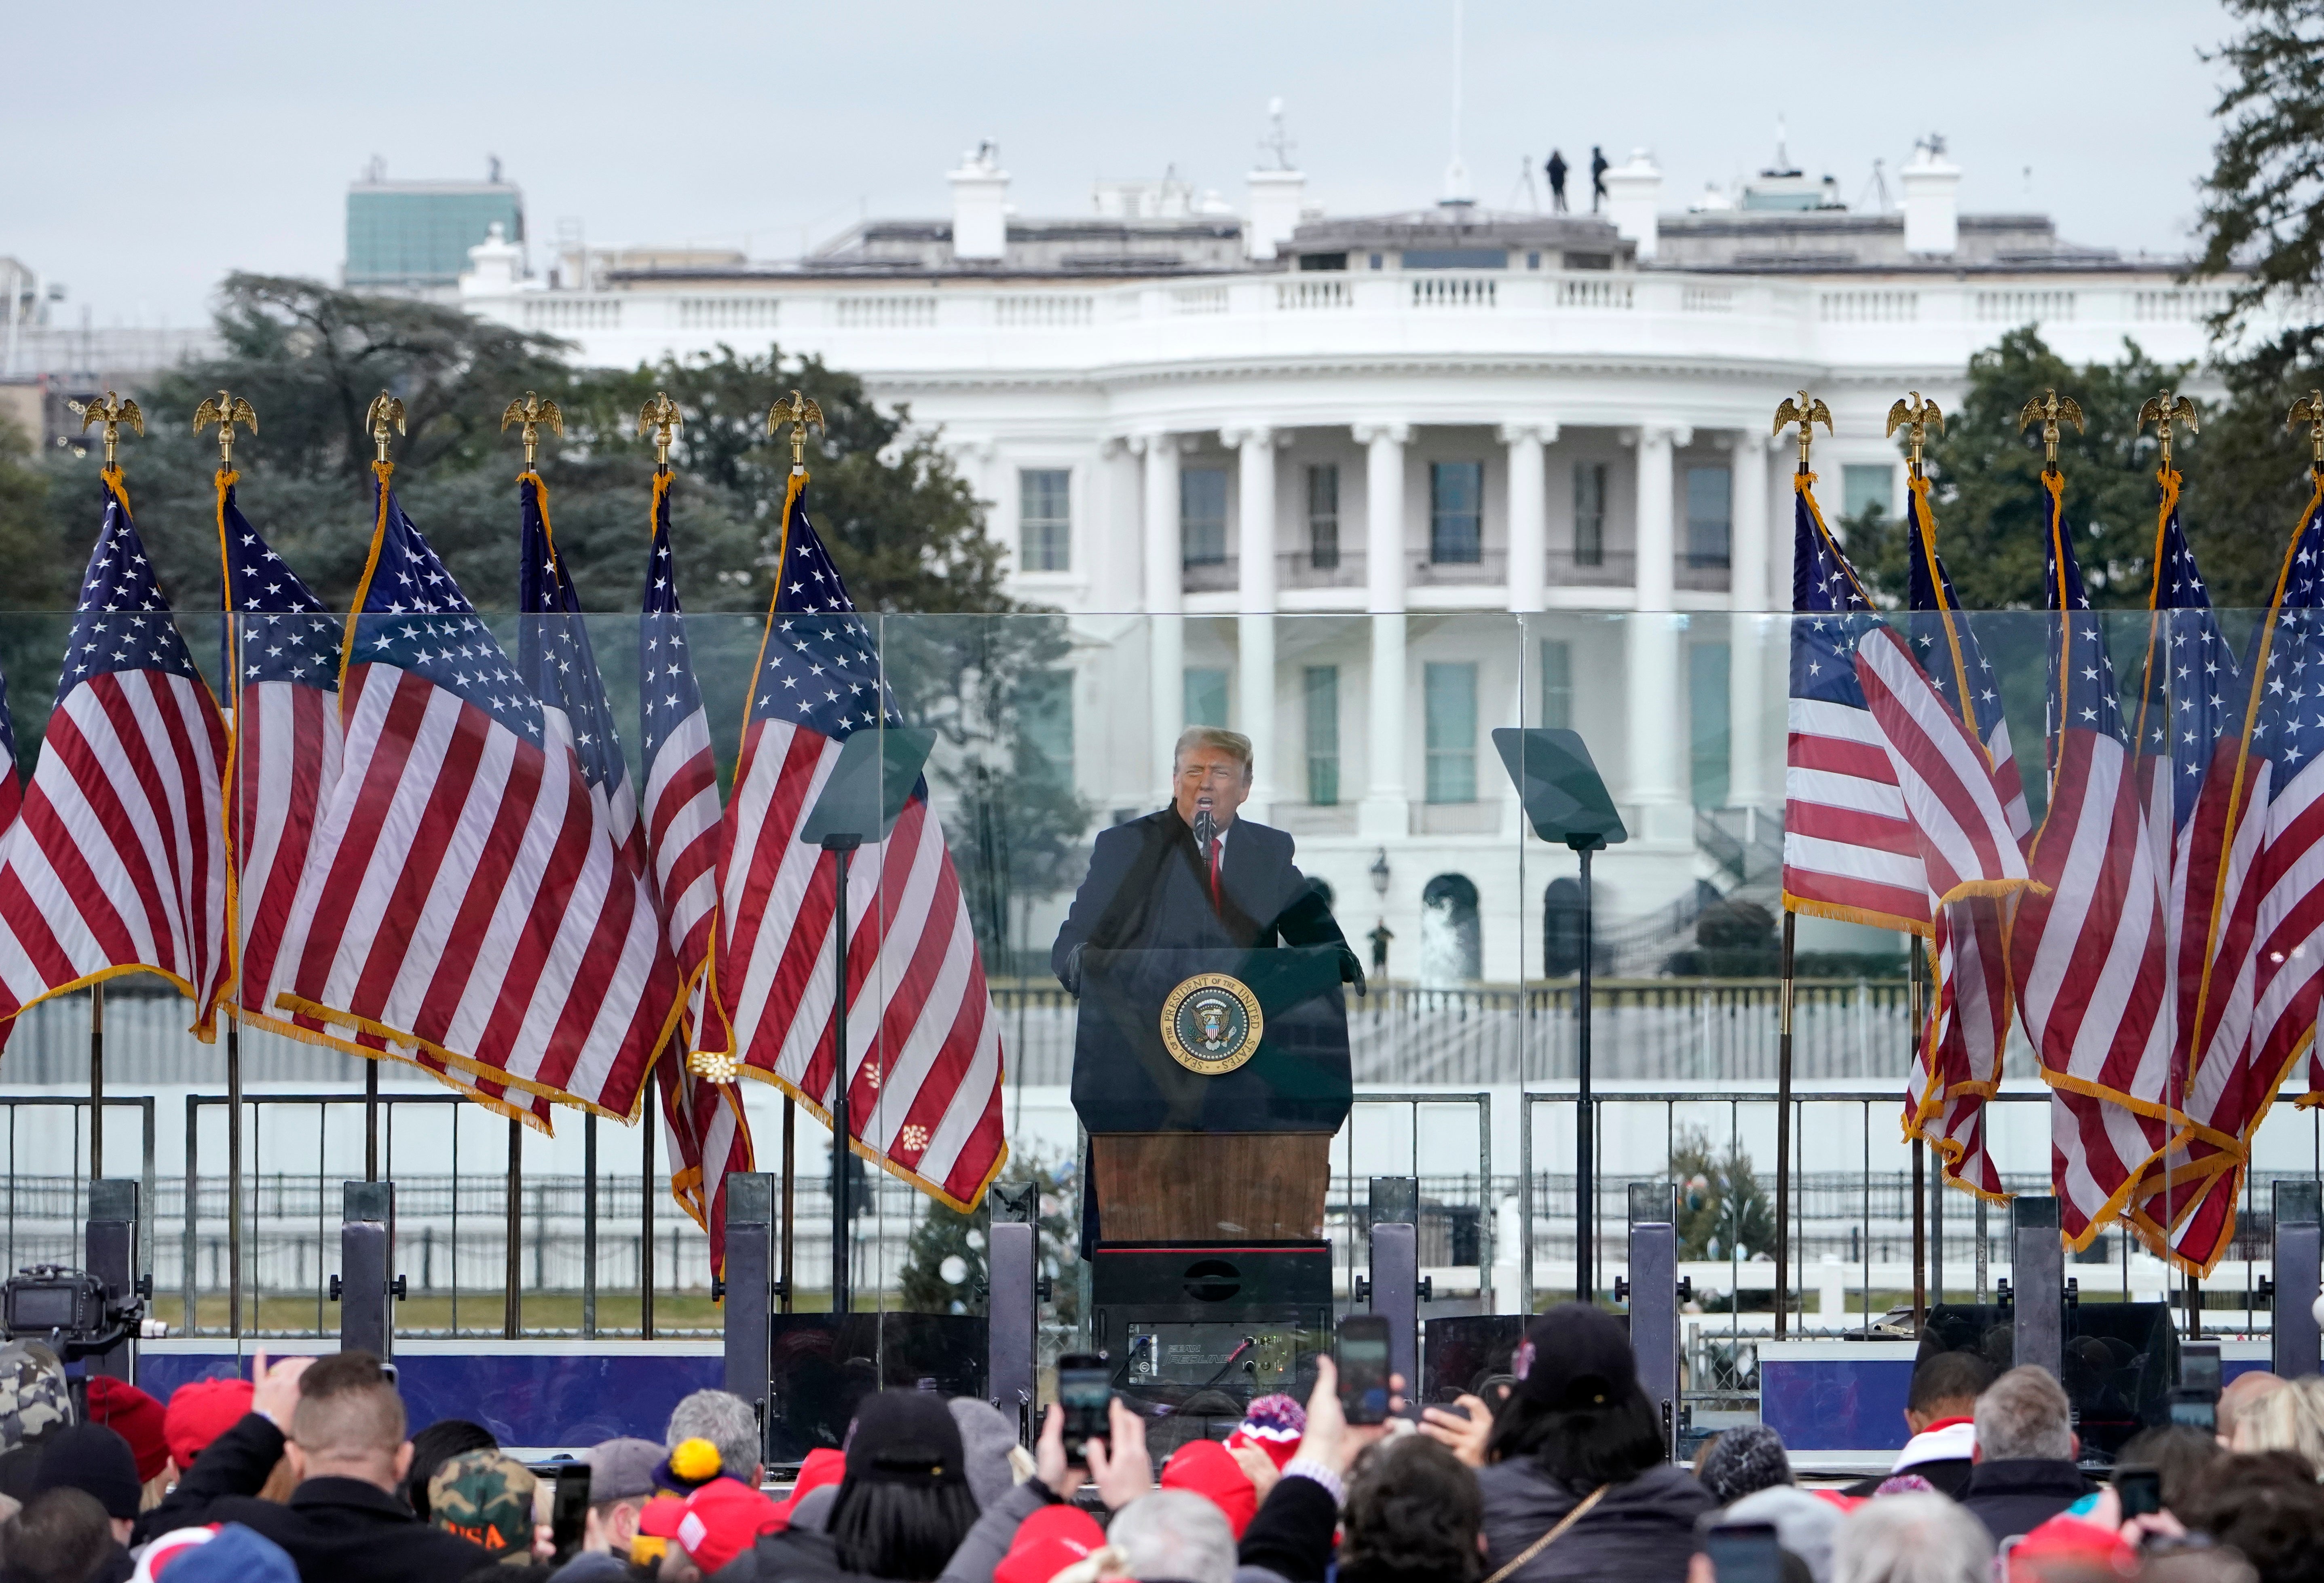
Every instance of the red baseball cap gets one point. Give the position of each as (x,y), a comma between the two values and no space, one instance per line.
(1210,1470)
(199,1412)
(721,1521)
(823,1466)
(1046,1543)
(135,1417)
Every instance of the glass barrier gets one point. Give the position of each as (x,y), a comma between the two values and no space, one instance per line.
(1375,763)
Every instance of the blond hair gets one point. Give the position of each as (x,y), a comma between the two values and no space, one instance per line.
(2288,1419)
(1212,736)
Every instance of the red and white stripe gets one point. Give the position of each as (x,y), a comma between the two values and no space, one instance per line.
(1966,843)
(924,1048)
(683,823)
(462,895)
(287,743)
(2092,969)
(1850,851)
(117,861)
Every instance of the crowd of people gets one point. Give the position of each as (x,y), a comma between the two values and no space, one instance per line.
(1555,1471)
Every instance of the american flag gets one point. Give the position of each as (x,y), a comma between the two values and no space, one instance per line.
(2189,738)
(709,1135)
(1961,1053)
(2256,1002)
(924,1091)
(1849,849)
(462,895)
(2089,954)
(116,862)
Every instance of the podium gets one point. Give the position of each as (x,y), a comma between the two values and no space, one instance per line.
(1211,1082)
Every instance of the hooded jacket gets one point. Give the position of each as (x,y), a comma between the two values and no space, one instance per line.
(1641,1531)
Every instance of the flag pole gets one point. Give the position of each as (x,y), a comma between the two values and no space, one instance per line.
(384,416)
(225,409)
(1806,411)
(111,412)
(1920,1156)
(790,1113)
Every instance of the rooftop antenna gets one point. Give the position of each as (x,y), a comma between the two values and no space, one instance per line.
(1456,173)
(1525,180)
(1876,189)
(1277,145)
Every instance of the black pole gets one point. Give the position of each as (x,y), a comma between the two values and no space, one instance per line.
(840,847)
(790,1115)
(370,1119)
(512,1309)
(96,1080)
(589,1222)
(1584,1123)
(1784,1128)
(1920,1165)
(646,1240)
(233,1179)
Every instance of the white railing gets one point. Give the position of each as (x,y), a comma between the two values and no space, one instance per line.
(1706,299)
(1030,310)
(2025,307)
(729,313)
(1299,296)
(572,313)
(1869,307)
(1198,299)
(914,312)
(2178,304)
(1603,291)
(1455,291)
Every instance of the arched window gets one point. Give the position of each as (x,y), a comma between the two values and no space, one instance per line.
(1561,929)
(1452,948)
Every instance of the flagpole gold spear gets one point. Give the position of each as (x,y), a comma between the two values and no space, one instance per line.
(112,412)
(227,410)
(384,418)
(1807,411)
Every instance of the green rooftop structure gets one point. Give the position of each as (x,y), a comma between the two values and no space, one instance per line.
(416,234)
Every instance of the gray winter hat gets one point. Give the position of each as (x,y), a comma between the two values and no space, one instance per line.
(1747,1459)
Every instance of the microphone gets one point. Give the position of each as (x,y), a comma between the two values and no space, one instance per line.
(1206,828)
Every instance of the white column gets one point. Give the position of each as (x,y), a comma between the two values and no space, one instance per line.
(1114,545)
(1657,693)
(1528,512)
(1164,599)
(1255,625)
(1747,550)
(1655,533)
(1385,814)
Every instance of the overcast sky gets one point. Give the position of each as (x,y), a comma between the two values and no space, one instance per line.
(151,147)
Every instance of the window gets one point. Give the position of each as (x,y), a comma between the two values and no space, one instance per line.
(1376,260)
(1868,489)
(1045,524)
(1322,687)
(1324,516)
(1045,726)
(1206,697)
(1456,258)
(1202,515)
(1708,516)
(1590,514)
(1322,260)
(1706,708)
(1557,684)
(1456,504)
(1449,695)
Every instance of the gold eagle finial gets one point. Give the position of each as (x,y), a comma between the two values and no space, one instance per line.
(1807,411)
(113,412)
(532,412)
(2050,409)
(1915,415)
(384,417)
(799,411)
(662,417)
(2163,411)
(2310,410)
(225,409)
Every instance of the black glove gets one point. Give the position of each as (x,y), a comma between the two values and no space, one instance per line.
(1072,976)
(1351,970)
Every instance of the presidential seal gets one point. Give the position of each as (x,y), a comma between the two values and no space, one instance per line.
(1211,1023)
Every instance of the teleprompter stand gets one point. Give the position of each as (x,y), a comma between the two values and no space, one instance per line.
(1566,803)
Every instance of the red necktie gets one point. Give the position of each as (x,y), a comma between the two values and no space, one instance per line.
(1217,846)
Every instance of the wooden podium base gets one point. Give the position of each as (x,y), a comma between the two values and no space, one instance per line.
(1193,1187)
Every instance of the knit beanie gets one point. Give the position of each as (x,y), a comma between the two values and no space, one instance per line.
(97,1461)
(1745,1460)
(1275,1424)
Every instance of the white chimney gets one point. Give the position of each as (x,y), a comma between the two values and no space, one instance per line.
(980,204)
(1271,210)
(1931,185)
(1634,200)
(496,265)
